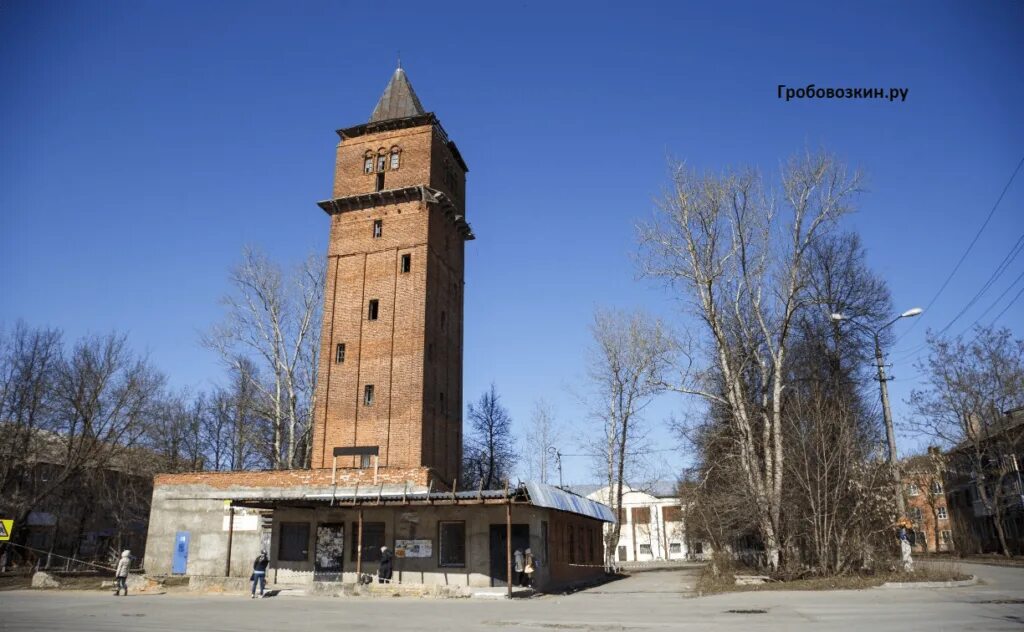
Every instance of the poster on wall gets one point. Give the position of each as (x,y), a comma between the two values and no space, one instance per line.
(412,548)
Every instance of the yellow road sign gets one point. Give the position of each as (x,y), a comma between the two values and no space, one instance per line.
(6,526)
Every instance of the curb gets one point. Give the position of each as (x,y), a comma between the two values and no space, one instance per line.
(950,584)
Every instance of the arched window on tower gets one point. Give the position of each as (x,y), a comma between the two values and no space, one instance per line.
(382,161)
(368,162)
(395,157)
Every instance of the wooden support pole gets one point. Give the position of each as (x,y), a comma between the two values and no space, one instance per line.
(508,545)
(359,547)
(231,535)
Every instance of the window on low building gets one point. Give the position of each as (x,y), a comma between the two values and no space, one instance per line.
(947,536)
(293,543)
(675,547)
(451,539)
(698,548)
(373,539)
(645,549)
(941,511)
(641,515)
(936,487)
(915,513)
(373,309)
(378,228)
(672,513)
(339,353)
(368,395)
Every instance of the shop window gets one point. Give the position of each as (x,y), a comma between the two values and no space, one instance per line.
(293,544)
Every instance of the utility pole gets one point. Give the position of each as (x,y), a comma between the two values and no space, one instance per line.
(555,452)
(890,433)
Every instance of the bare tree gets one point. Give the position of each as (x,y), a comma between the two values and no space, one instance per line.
(739,254)
(489,454)
(626,368)
(971,386)
(274,318)
(541,440)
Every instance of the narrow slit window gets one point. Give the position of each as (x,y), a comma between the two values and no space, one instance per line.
(339,353)
(373,310)
(368,395)
(378,228)
(406,263)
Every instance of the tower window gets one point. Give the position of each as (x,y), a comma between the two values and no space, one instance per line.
(368,164)
(373,309)
(394,159)
(406,263)
(339,354)
(382,162)
(364,460)
(368,395)
(380,181)
(378,228)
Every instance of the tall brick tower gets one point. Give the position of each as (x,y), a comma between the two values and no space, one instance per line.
(391,351)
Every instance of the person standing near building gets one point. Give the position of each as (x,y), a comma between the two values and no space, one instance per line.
(386,560)
(529,566)
(519,565)
(259,573)
(121,573)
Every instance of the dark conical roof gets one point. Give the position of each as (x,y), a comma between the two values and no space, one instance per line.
(398,101)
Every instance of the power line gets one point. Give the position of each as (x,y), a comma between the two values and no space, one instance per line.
(966,252)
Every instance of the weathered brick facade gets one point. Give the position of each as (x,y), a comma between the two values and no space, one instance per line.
(397,237)
(299,479)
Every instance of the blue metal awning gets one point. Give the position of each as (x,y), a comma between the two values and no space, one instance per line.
(554,498)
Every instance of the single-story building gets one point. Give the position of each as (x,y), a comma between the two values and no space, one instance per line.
(328,526)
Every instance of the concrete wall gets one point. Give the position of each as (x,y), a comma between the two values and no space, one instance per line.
(183,508)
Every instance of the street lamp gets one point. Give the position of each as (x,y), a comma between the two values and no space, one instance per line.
(890,434)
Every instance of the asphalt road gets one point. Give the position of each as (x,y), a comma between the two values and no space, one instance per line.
(647,601)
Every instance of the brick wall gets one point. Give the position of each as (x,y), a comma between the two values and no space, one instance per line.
(347,477)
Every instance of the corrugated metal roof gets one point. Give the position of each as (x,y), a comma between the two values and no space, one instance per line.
(554,498)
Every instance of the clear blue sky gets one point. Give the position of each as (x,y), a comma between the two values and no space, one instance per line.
(142,144)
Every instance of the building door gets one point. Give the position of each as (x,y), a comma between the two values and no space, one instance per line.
(181,540)
(499,550)
(373,539)
(622,554)
(330,552)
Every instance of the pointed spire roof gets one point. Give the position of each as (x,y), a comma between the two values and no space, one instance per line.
(398,101)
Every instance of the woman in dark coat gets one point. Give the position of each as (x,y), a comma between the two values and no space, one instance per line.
(386,559)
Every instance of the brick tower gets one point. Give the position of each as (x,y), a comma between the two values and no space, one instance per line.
(391,350)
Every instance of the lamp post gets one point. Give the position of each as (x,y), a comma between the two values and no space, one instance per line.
(890,433)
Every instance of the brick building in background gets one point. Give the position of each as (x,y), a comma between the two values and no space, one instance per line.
(925,493)
(387,430)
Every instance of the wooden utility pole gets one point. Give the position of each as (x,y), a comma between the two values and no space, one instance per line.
(231,535)
(359,548)
(508,545)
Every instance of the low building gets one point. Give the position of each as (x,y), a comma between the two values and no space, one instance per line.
(652,522)
(321,530)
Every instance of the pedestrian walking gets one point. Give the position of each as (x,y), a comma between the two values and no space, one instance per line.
(519,566)
(259,573)
(121,573)
(529,566)
(386,561)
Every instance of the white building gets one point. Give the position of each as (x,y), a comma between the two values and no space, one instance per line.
(652,524)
